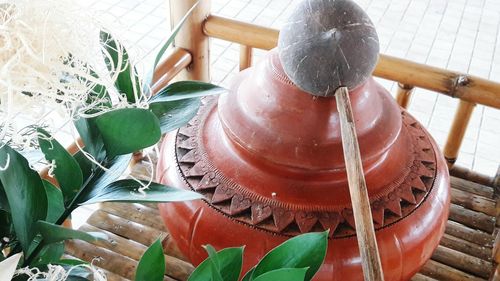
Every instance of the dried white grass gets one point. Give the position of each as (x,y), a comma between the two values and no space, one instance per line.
(46,49)
(59,273)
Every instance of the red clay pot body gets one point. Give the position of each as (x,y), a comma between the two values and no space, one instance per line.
(268,158)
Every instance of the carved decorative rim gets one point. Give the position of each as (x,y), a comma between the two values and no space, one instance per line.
(400,199)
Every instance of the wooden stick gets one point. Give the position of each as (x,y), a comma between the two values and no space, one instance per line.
(458,85)
(174,267)
(420,277)
(365,232)
(191,37)
(466,247)
(462,261)
(135,212)
(441,271)
(106,259)
(457,131)
(473,202)
(141,233)
(471,218)
(471,176)
(496,249)
(472,187)
(469,234)
(404,94)
(245,57)
(135,231)
(241,32)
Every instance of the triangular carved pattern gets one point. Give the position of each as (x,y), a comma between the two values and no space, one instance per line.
(223,194)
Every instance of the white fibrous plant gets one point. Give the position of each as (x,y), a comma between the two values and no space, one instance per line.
(49,60)
(59,273)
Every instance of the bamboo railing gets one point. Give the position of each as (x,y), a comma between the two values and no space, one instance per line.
(409,75)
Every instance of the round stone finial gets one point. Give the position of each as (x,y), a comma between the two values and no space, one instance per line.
(327,44)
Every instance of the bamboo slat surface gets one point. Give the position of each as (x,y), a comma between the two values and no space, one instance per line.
(465,251)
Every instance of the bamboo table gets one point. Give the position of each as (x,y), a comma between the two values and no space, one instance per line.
(465,251)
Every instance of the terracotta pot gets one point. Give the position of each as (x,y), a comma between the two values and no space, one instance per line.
(268,158)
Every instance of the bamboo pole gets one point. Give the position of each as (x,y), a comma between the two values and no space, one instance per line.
(365,232)
(191,37)
(495,254)
(466,247)
(108,260)
(469,234)
(403,95)
(441,271)
(473,202)
(241,32)
(469,88)
(174,267)
(177,61)
(420,277)
(245,57)
(457,131)
(462,261)
(141,233)
(471,187)
(136,213)
(135,231)
(471,176)
(471,218)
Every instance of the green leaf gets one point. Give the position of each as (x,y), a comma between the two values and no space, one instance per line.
(127,191)
(4,203)
(76,278)
(186,90)
(212,254)
(55,233)
(175,114)
(91,137)
(85,165)
(98,98)
(214,263)
(127,81)
(55,202)
(128,130)
(78,273)
(50,254)
(171,38)
(248,275)
(230,261)
(288,274)
(178,102)
(70,262)
(67,171)
(164,48)
(306,250)
(8,266)
(5,225)
(152,264)
(24,190)
(101,178)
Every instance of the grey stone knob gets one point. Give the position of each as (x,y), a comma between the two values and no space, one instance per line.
(327,44)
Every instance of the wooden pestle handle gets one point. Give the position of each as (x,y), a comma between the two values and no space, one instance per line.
(365,232)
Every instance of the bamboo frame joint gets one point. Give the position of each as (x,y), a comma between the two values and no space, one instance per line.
(405,86)
(459,81)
